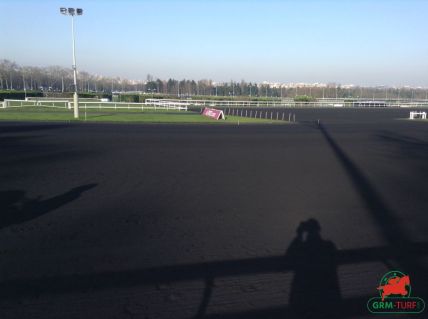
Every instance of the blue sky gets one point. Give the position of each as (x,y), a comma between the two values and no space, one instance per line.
(368,42)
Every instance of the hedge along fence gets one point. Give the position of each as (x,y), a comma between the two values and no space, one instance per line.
(141,98)
(18,95)
(304,98)
(236,97)
(130,98)
(137,98)
(69,95)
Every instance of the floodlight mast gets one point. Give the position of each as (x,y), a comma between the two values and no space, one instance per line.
(75,97)
(72,12)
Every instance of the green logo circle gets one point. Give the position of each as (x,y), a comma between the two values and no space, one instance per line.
(396,279)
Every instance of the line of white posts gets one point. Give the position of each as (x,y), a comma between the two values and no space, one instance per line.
(261,114)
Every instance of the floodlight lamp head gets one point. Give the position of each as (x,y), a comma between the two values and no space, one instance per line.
(71,11)
(79,11)
(63,10)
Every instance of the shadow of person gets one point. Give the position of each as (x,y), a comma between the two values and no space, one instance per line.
(16,208)
(315,291)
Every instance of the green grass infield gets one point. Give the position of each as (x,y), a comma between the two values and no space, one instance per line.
(160,116)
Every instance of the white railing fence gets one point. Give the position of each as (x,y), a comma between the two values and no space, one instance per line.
(44,103)
(130,106)
(292,103)
(177,104)
(166,105)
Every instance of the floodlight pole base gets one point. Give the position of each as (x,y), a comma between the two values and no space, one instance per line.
(76,105)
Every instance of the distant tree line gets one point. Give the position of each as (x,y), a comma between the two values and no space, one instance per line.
(59,79)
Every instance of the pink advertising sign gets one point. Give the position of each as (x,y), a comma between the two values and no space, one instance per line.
(213,113)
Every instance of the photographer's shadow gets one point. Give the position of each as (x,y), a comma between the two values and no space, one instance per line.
(315,291)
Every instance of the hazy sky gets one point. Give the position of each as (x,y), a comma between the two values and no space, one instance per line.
(368,42)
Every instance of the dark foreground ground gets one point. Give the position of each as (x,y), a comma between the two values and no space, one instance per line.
(128,221)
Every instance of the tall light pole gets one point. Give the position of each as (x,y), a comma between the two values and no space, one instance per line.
(72,12)
(25,88)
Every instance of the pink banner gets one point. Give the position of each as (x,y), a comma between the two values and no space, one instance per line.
(213,113)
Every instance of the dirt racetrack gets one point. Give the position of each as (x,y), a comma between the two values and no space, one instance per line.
(156,221)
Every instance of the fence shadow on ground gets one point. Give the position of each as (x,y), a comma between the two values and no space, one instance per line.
(407,146)
(210,271)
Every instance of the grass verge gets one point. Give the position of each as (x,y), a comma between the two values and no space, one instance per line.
(131,116)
